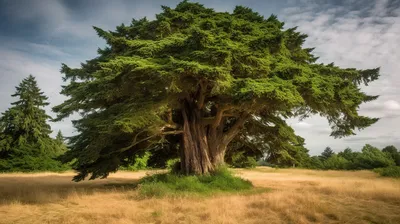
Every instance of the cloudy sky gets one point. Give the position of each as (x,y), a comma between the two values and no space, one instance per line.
(36,36)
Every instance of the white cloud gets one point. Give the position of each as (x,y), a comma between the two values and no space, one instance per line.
(302,124)
(363,37)
(57,23)
(17,65)
(47,49)
(392,105)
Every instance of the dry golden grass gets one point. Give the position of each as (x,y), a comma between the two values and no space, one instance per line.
(297,196)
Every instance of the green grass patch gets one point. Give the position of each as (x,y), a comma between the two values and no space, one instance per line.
(169,184)
(391,171)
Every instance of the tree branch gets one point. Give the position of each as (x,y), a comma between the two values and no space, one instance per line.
(151,136)
(219,115)
(216,120)
(235,129)
(172,132)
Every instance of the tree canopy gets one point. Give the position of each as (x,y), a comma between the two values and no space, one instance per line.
(211,78)
(25,144)
(393,152)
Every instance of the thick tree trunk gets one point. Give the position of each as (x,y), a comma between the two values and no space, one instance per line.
(204,145)
(200,152)
(195,157)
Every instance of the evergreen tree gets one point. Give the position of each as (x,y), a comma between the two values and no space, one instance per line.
(210,78)
(60,138)
(327,153)
(25,143)
(60,141)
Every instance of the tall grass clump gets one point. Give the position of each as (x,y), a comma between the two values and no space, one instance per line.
(170,184)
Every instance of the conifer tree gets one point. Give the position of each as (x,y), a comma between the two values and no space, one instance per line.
(327,153)
(209,78)
(60,138)
(25,143)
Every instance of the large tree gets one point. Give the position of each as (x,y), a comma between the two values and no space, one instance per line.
(392,151)
(208,78)
(25,144)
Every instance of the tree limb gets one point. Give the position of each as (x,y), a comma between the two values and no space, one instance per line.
(151,136)
(216,120)
(172,132)
(235,129)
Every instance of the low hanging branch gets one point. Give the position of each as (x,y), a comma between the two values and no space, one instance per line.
(134,143)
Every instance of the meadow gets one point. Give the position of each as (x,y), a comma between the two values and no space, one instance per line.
(292,196)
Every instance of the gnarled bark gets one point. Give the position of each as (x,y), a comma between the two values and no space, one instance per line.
(204,144)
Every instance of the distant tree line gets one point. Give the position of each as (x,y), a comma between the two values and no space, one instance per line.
(370,157)
(385,161)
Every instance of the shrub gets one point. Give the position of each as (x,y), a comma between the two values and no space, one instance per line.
(167,184)
(31,158)
(240,160)
(173,164)
(139,163)
(391,171)
(336,163)
(315,163)
(251,162)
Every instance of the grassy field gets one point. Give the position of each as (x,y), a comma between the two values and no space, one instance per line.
(296,196)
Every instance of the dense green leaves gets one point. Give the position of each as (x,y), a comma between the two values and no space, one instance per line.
(369,158)
(327,153)
(393,153)
(25,144)
(234,66)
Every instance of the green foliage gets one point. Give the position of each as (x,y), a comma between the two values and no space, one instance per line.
(315,163)
(60,138)
(25,144)
(393,152)
(348,154)
(30,158)
(371,158)
(165,151)
(327,153)
(297,156)
(168,184)
(240,160)
(173,164)
(139,162)
(241,65)
(390,171)
(250,162)
(336,162)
